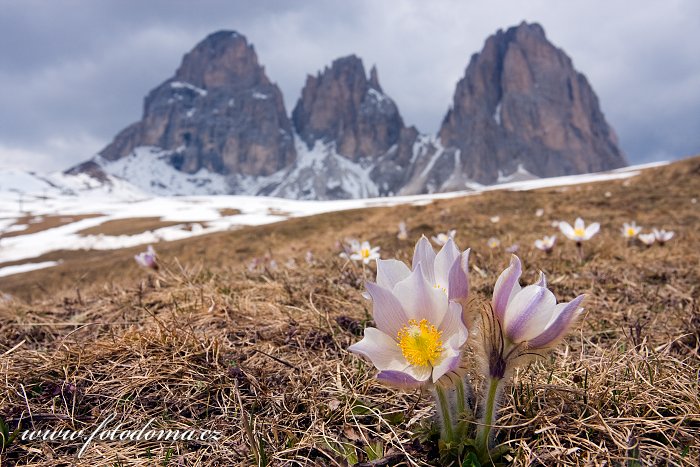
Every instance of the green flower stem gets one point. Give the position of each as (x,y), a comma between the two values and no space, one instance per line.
(447,431)
(484,431)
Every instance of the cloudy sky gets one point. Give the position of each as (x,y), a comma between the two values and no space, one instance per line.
(74,72)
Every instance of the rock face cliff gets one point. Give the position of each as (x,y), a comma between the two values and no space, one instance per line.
(220,112)
(219,126)
(522,105)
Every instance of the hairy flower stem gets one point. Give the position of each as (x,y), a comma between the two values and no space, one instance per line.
(484,431)
(447,429)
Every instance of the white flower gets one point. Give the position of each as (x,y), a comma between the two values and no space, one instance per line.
(579,232)
(495,219)
(663,236)
(539,212)
(363,252)
(647,238)
(442,238)
(420,332)
(630,230)
(403,233)
(546,243)
(493,242)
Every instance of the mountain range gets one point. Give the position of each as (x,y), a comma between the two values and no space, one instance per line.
(220,126)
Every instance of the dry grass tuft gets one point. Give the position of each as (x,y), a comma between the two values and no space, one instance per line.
(260,356)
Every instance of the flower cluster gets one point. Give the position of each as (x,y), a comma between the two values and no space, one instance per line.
(364,252)
(421,332)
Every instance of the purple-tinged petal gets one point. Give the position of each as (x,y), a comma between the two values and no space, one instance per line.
(419,299)
(565,315)
(451,358)
(398,379)
(453,325)
(381,349)
(528,314)
(579,224)
(506,287)
(386,309)
(542,282)
(391,271)
(458,279)
(443,262)
(425,255)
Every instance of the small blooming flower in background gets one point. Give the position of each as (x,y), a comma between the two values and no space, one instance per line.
(420,332)
(442,238)
(546,244)
(493,242)
(495,219)
(662,236)
(513,248)
(608,194)
(253,265)
(309,257)
(539,212)
(361,252)
(555,224)
(630,230)
(579,232)
(403,233)
(647,238)
(147,259)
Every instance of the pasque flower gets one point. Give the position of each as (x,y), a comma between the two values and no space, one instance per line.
(647,238)
(441,238)
(362,252)
(530,315)
(630,230)
(403,233)
(546,243)
(522,322)
(147,259)
(662,236)
(579,232)
(419,327)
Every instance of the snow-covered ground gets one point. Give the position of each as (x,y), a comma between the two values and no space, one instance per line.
(25,195)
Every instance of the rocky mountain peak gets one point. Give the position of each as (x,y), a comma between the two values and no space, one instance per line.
(521,105)
(222,59)
(219,112)
(342,105)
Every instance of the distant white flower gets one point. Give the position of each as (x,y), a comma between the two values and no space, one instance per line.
(495,219)
(147,259)
(579,232)
(403,233)
(493,242)
(309,257)
(362,252)
(539,212)
(555,224)
(694,200)
(647,238)
(630,230)
(608,194)
(513,248)
(546,244)
(663,236)
(442,238)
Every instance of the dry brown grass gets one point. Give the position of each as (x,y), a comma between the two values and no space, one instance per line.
(38,224)
(127,226)
(208,344)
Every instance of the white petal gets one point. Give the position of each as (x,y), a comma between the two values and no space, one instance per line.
(419,299)
(567,230)
(451,357)
(391,271)
(381,349)
(578,224)
(591,230)
(444,261)
(425,255)
(452,325)
(386,310)
(528,314)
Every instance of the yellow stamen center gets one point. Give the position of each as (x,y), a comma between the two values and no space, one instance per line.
(439,287)
(365,252)
(420,343)
(579,232)
(631,232)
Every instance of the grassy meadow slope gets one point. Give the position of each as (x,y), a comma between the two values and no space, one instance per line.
(260,354)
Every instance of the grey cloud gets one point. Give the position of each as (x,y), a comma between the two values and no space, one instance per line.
(73,73)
